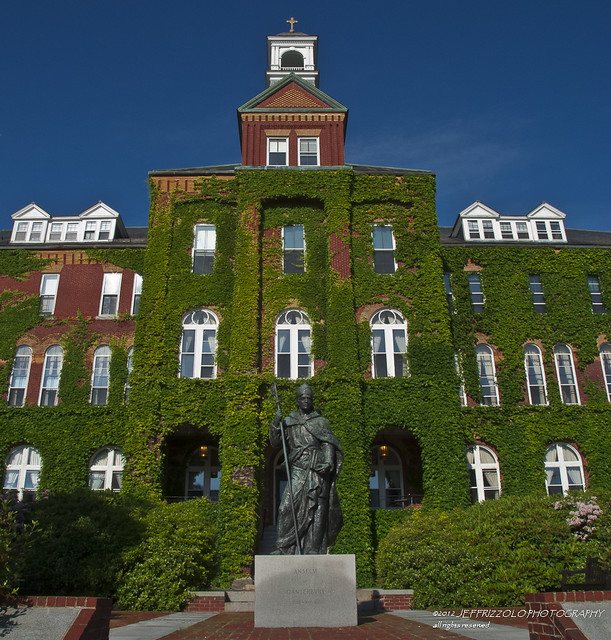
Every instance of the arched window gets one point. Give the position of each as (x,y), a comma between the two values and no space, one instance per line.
(203,476)
(101,375)
(385,478)
(18,385)
(52,369)
(22,470)
(487,375)
(198,345)
(605,363)
(106,469)
(293,345)
(291,60)
(535,374)
(483,473)
(563,469)
(565,370)
(388,344)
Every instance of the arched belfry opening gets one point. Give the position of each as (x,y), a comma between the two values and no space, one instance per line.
(292,60)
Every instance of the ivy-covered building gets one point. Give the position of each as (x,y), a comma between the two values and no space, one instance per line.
(453,364)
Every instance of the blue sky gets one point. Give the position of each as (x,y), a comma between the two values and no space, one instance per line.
(508,102)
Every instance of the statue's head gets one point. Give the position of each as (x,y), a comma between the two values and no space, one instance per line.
(305,390)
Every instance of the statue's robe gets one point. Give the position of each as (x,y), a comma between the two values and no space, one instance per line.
(310,443)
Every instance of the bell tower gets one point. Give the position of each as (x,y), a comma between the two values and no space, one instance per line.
(291,52)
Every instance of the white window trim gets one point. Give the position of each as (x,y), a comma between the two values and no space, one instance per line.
(22,469)
(299,139)
(48,355)
(479,467)
(572,371)
(206,250)
(109,469)
(539,356)
(462,394)
(268,142)
(47,278)
(563,465)
(471,277)
(605,357)
(103,351)
(487,351)
(209,322)
(303,250)
(27,355)
(392,250)
(398,322)
(293,352)
(136,293)
(107,291)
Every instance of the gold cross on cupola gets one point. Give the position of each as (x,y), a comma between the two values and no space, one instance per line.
(292,22)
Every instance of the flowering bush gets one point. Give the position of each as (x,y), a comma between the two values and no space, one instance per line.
(582,516)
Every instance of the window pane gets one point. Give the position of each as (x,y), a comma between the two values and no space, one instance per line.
(384,261)
(382,237)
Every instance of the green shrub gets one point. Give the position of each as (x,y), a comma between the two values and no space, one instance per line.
(489,554)
(176,557)
(78,543)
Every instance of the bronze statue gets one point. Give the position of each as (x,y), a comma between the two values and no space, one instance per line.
(310,516)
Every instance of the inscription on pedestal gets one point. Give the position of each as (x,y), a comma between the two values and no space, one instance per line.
(305,591)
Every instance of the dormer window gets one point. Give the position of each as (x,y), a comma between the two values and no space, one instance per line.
(55,232)
(90,228)
(473,227)
(277,152)
(72,232)
(22,231)
(36,232)
(488,229)
(104,230)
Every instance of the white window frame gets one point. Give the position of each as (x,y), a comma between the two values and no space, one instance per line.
(384,462)
(565,372)
(462,394)
(100,376)
(90,231)
(275,140)
(535,373)
(36,232)
(20,377)
(473,230)
(484,475)
(605,363)
(204,248)
(289,251)
(308,154)
(106,469)
(49,284)
(486,370)
(111,289)
(383,250)
(203,467)
(72,231)
(22,231)
(478,299)
(558,467)
(293,344)
(23,473)
(136,294)
(51,374)
(130,368)
(536,288)
(387,352)
(198,345)
(55,232)
(598,306)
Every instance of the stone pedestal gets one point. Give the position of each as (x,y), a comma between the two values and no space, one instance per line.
(305,591)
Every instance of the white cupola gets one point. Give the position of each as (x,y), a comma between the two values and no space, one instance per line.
(291,52)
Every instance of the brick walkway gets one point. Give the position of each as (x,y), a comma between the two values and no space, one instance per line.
(379,626)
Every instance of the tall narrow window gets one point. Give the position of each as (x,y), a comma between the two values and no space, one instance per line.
(277,152)
(198,344)
(542,233)
(447,285)
(48,293)
(52,368)
(389,344)
(605,363)
(130,367)
(383,249)
(385,478)
(537,293)
(111,289)
(596,295)
(203,475)
(477,295)
(22,470)
(461,385)
(293,345)
(101,375)
(484,473)
(106,470)
(563,469)
(137,293)
(308,152)
(204,248)
(535,375)
(294,248)
(565,370)
(19,378)
(487,375)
